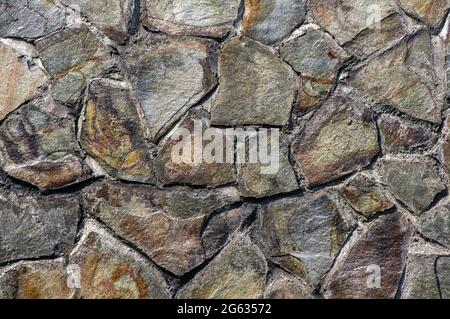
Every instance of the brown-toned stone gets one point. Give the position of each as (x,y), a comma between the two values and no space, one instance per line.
(282,285)
(431,12)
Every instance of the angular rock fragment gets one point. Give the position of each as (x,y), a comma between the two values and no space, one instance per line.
(365,196)
(431,12)
(20,80)
(39,146)
(110,270)
(72,57)
(112,132)
(270,21)
(443,276)
(282,285)
(36,280)
(238,272)
(165,224)
(340,138)
(420,279)
(169,75)
(435,224)
(212,18)
(373,266)
(318,58)
(444,149)
(415,182)
(29,19)
(311,229)
(256,87)
(36,226)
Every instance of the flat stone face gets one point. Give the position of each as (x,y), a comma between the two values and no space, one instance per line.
(444,149)
(29,19)
(363,26)
(431,12)
(72,57)
(111,17)
(40,148)
(365,196)
(239,271)
(270,21)
(112,132)
(443,276)
(415,182)
(166,225)
(435,224)
(169,75)
(282,285)
(21,81)
(33,226)
(212,18)
(36,280)
(381,247)
(310,229)
(256,87)
(340,138)
(110,270)
(403,78)
(420,278)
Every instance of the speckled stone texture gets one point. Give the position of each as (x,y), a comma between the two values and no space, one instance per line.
(94,95)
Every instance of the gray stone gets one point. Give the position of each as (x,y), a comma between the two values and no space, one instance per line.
(420,279)
(443,275)
(435,224)
(282,285)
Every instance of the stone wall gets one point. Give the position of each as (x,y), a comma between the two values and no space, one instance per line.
(93,94)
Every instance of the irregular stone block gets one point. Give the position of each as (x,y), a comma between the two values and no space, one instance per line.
(420,279)
(444,149)
(443,274)
(431,12)
(256,87)
(435,224)
(282,285)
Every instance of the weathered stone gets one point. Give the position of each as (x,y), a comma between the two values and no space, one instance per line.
(363,26)
(420,279)
(36,226)
(20,80)
(444,148)
(36,280)
(270,21)
(29,19)
(282,285)
(112,132)
(72,57)
(256,87)
(39,147)
(189,169)
(311,229)
(238,272)
(400,135)
(165,224)
(403,78)
(435,224)
(318,58)
(431,12)
(381,247)
(415,182)
(443,275)
(169,75)
(340,138)
(110,270)
(212,18)
(112,17)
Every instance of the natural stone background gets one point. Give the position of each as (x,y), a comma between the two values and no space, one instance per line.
(91,91)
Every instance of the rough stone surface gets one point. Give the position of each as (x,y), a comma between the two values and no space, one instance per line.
(443,275)
(420,279)
(430,12)
(435,224)
(282,285)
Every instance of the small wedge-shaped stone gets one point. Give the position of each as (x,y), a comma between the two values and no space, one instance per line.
(378,254)
(112,132)
(20,81)
(340,138)
(47,279)
(34,226)
(169,75)
(415,182)
(420,279)
(256,87)
(238,272)
(435,224)
(212,18)
(283,285)
(431,12)
(270,21)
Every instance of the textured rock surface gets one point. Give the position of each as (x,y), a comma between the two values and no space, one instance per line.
(428,11)
(443,274)
(420,280)
(282,285)
(435,224)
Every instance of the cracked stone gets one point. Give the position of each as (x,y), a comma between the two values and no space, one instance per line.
(381,247)
(282,285)
(72,57)
(20,83)
(420,278)
(238,272)
(435,224)
(444,150)
(256,86)
(212,18)
(270,21)
(318,58)
(111,270)
(415,182)
(443,275)
(33,226)
(311,229)
(339,139)
(365,196)
(165,224)
(431,12)
(112,132)
(169,75)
